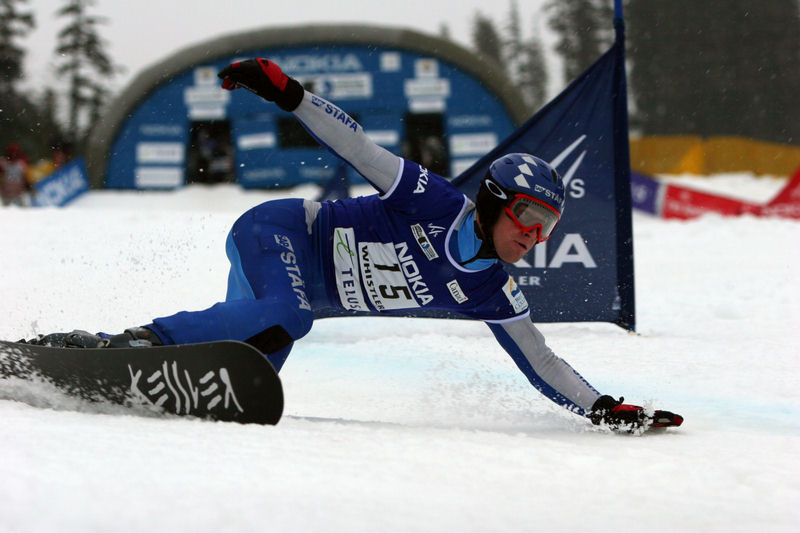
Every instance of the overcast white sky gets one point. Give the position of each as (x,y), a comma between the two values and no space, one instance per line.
(143,32)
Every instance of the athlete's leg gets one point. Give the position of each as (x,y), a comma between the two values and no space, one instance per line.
(267,304)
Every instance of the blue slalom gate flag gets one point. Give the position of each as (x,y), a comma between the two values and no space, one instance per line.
(584,272)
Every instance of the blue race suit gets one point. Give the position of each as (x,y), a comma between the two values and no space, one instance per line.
(398,250)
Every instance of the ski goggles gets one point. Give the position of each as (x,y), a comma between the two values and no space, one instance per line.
(530,214)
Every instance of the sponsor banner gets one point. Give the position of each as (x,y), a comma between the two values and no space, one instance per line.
(391,62)
(206,76)
(206,94)
(257,140)
(63,185)
(683,203)
(159,177)
(160,152)
(295,64)
(205,101)
(470,121)
(780,210)
(417,87)
(259,175)
(384,137)
(426,68)
(674,201)
(207,112)
(161,130)
(471,143)
(645,193)
(787,202)
(341,86)
(426,105)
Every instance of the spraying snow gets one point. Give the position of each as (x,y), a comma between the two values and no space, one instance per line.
(397,424)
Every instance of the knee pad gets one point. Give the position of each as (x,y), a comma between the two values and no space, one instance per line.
(271,340)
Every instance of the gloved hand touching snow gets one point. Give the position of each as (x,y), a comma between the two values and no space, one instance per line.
(628,418)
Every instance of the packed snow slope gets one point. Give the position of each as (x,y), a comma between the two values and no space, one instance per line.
(396,424)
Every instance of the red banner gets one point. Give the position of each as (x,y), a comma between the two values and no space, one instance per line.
(680,202)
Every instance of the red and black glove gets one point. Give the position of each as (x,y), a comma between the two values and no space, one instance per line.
(625,417)
(264,78)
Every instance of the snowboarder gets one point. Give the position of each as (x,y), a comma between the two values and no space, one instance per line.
(417,244)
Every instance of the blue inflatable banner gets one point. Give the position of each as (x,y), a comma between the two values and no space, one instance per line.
(63,185)
(585,271)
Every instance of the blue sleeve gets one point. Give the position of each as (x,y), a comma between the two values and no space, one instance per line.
(419,193)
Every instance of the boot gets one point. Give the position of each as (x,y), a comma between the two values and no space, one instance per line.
(131,337)
(74,339)
(134,337)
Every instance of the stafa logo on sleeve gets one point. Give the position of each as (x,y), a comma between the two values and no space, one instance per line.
(424,242)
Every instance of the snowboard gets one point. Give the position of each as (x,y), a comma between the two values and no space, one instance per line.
(223,380)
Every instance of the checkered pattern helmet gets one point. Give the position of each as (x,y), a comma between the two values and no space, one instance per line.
(510,175)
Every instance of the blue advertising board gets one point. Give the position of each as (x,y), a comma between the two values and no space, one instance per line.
(408,102)
(62,186)
(646,193)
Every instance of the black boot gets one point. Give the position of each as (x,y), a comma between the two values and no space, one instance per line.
(132,337)
(73,339)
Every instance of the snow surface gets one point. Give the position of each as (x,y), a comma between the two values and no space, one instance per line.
(396,424)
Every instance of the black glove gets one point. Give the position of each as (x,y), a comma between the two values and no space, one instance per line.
(264,78)
(625,417)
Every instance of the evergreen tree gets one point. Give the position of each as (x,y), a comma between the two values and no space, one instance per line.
(532,76)
(730,68)
(585,32)
(487,41)
(15,109)
(83,61)
(521,59)
(525,61)
(444,31)
(50,130)
(14,24)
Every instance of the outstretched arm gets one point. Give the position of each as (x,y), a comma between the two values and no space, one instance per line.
(331,126)
(554,378)
(551,375)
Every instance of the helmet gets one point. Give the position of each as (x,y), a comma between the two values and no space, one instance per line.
(527,189)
